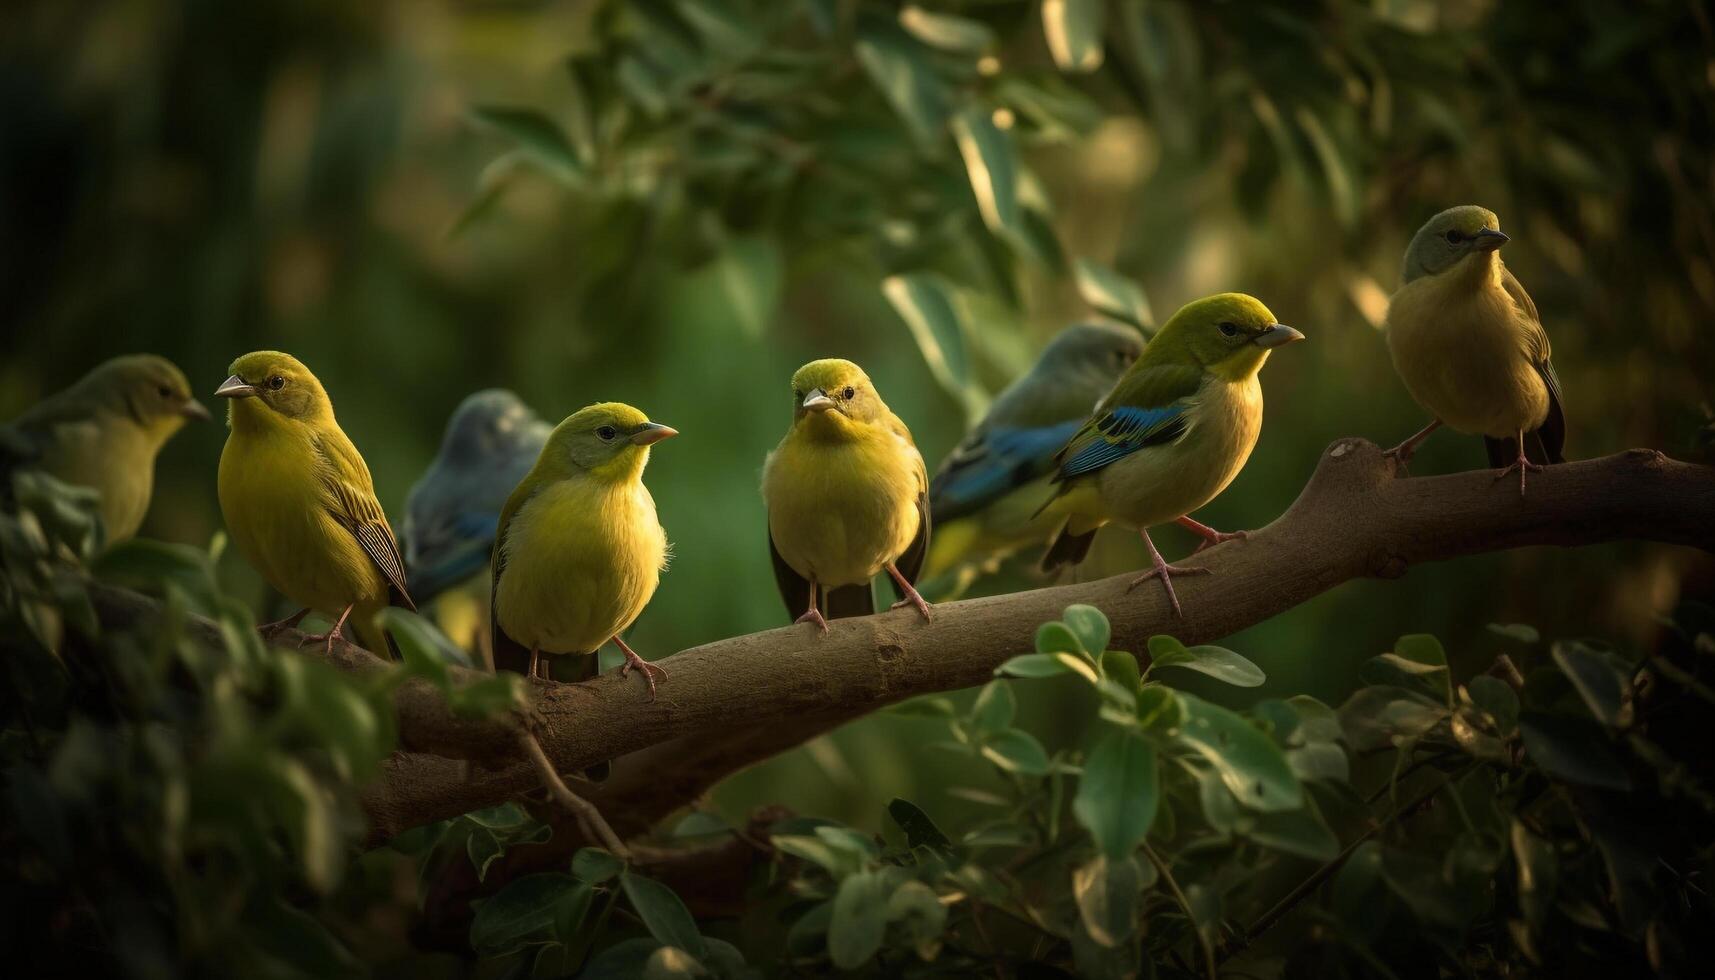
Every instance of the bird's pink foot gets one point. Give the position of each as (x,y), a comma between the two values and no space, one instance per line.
(1166,572)
(1523,466)
(1402,453)
(1210,536)
(814,615)
(912,598)
(337,633)
(632,660)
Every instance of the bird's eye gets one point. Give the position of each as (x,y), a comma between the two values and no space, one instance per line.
(1454,238)
(606,433)
(276,382)
(164,391)
(849,393)
(1229,329)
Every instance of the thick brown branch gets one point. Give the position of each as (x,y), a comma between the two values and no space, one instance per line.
(731,703)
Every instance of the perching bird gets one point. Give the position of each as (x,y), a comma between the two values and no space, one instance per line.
(1175,431)
(1467,342)
(984,495)
(103,432)
(847,496)
(579,550)
(491,442)
(299,501)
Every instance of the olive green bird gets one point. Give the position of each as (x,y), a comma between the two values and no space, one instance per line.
(104,432)
(579,549)
(847,497)
(1468,343)
(299,501)
(1171,436)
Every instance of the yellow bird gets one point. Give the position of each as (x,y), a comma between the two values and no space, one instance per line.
(579,550)
(847,496)
(1171,435)
(1468,343)
(300,503)
(104,433)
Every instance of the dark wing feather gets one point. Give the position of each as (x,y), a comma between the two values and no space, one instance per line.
(1549,440)
(910,562)
(794,588)
(508,654)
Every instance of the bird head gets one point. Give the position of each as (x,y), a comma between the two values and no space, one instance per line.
(1228,334)
(267,386)
(148,389)
(833,397)
(608,440)
(1092,348)
(1450,237)
(490,424)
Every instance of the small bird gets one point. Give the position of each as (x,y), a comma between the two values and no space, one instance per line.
(300,503)
(984,495)
(1173,433)
(1468,343)
(847,496)
(103,432)
(579,549)
(451,513)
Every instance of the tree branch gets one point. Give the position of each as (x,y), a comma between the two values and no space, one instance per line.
(734,702)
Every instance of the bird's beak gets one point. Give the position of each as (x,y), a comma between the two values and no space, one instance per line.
(193,409)
(235,387)
(652,433)
(1277,334)
(818,401)
(1489,239)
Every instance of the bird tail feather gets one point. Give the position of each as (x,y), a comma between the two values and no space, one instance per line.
(848,601)
(1503,452)
(1067,548)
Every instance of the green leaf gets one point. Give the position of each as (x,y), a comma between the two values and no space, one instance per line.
(1397,671)
(1106,890)
(1497,699)
(1316,721)
(1121,668)
(1016,751)
(917,914)
(416,643)
(991,165)
(522,914)
(925,707)
(1113,295)
(994,707)
(1538,872)
(1031,666)
(1217,662)
(930,311)
(920,831)
(1216,801)
(538,137)
(1373,716)
(1159,710)
(1319,761)
(1119,792)
(1252,766)
(1599,679)
(1057,637)
(1573,749)
(1074,32)
(1520,632)
(663,914)
(672,963)
(896,65)
(818,852)
(624,960)
(594,865)
(1299,832)
(947,32)
(1089,625)
(859,920)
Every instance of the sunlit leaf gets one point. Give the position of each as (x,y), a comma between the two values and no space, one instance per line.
(1252,766)
(895,63)
(1074,32)
(1217,662)
(1016,751)
(946,31)
(991,164)
(1089,625)
(1106,890)
(1032,665)
(994,707)
(930,310)
(1119,792)
(1113,295)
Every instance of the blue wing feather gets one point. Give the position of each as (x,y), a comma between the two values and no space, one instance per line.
(1005,458)
(1123,431)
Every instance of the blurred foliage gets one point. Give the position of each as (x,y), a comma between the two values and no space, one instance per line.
(676,202)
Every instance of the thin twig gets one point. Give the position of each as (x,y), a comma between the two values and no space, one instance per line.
(1322,874)
(588,817)
(1184,903)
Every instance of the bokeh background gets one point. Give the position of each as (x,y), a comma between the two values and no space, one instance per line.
(676,202)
